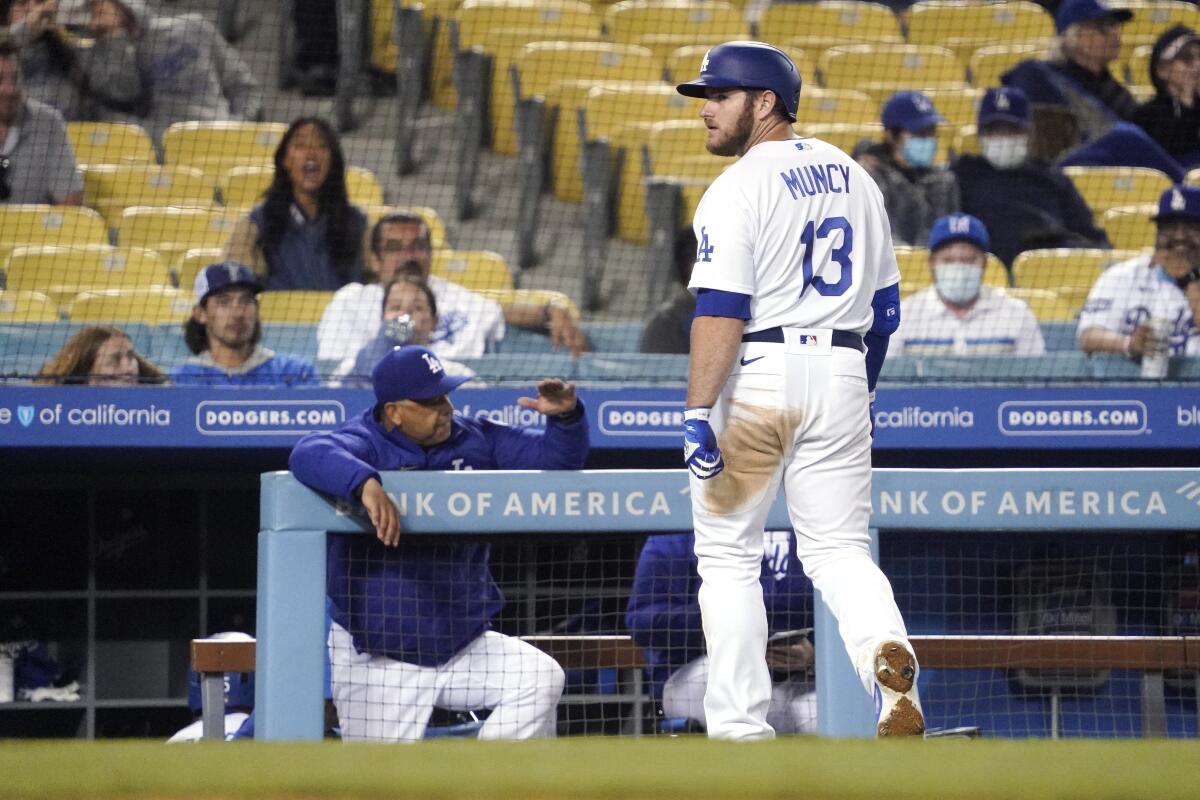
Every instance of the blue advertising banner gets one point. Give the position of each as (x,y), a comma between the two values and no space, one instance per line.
(925,417)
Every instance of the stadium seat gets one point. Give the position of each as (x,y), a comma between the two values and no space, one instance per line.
(110,189)
(156,305)
(1108,187)
(43,224)
(844,136)
(563,73)
(1129,227)
(1135,69)
(437,228)
(882,69)
(441,69)
(988,63)
(216,147)
(292,306)
(1069,272)
(819,106)
(537,297)
(474,269)
(915,274)
(1151,18)
(173,231)
(1047,305)
(1193,177)
(959,106)
(26,306)
(184,270)
(243,187)
(845,21)
(110,143)
(966,140)
(61,272)
(630,20)
(965,27)
(383,39)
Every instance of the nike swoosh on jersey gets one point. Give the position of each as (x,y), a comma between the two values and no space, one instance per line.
(748,361)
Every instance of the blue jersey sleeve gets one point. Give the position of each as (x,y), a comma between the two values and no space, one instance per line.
(719,303)
(563,445)
(886,305)
(336,463)
(663,614)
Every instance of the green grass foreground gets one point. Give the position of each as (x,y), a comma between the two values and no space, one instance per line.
(659,769)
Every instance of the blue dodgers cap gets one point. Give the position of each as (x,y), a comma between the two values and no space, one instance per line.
(1076,11)
(216,277)
(412,372)
(910,111)
(1004,105)
(1179,203)
(959,228)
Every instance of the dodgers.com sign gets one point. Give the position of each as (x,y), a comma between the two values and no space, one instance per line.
(1073,418)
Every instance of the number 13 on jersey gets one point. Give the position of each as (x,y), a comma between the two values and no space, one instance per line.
(813,231)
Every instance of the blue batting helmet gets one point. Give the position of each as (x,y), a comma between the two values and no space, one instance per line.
(748,65)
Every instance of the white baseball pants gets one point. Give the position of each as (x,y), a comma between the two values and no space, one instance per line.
(793,703)
(794,415)
(381,699)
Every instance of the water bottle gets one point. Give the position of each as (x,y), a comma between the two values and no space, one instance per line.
(399,331)
(1155,362)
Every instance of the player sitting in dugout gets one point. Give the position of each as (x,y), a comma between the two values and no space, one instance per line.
(412,618)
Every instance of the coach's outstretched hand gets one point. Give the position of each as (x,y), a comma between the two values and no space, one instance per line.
(382,512)
(700,450)
(554,397)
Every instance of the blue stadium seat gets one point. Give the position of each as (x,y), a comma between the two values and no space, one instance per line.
(614,337)
(1059,336)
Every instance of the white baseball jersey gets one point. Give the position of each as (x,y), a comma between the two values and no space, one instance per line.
(782,208)
(996,324)
(1130,293)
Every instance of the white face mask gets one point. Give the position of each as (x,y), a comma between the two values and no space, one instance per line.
(1004,152)
(957,282)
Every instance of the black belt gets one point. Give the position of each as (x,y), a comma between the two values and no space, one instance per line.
(775,336)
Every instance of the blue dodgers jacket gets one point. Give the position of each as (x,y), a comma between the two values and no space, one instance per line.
(663,615)
(423,601)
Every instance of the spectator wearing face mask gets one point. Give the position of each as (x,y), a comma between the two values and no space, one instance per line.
(1172,116)
(958,315)
(915,192)
(1024,203)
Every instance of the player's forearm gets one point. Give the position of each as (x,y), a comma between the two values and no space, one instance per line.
(715,343)
(1099,340)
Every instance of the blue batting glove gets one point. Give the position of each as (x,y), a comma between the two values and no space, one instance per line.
(700,450)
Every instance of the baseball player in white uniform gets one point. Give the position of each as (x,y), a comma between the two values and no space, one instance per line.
(794,265)
(1159,290)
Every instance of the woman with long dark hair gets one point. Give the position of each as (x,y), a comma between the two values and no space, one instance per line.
(305,234)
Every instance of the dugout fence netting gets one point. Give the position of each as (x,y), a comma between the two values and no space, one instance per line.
(619,613)
(540,160)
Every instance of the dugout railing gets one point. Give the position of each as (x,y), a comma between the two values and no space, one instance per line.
(296,521)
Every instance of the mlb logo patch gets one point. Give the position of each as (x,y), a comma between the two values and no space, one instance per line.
(809,340)
(803,146)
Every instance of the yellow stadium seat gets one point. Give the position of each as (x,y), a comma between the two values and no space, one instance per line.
(173,231)
(673,144)
(563,73)
(988,63)
(965,27)
(44,224)
(843,136)
(191,262)
(966,140)
(437,228)
(915,274)
(823,106)
(1136,67)
(535,297)
(216,147)
(474,269)
(383,40)
(441,70)
(1129,227)
(959,106)
(110,189)
(1192,178)
(62,272)
(243,187)
(683,63)
(628,20)
(1070,272)
(846,20)
(1151,18)
(25,306)
(304,307)
(882,69)
(156,305)
(1108,187)
(1046,304)
(110,143)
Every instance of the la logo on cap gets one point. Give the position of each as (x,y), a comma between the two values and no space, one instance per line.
(231,270)
(1002,101)
(432,362)
(704,63)
(1177,201)
(922,103)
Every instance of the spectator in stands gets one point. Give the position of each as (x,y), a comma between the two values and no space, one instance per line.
(468,322)
(99,355)
(37,164)
(1076,76)
(412,619)
(958,315)
(914,190)
(1159,289)
(305,234)
(224,333)
(192,73)
(670,328)
(81,82)
(663,617)
(409,317)
(1023,203)
(1172,116)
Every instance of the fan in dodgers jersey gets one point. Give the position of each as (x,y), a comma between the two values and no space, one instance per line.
(794,265)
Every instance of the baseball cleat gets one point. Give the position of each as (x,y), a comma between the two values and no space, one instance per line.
(896,704)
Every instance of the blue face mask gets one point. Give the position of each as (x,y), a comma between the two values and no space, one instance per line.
(919,150)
